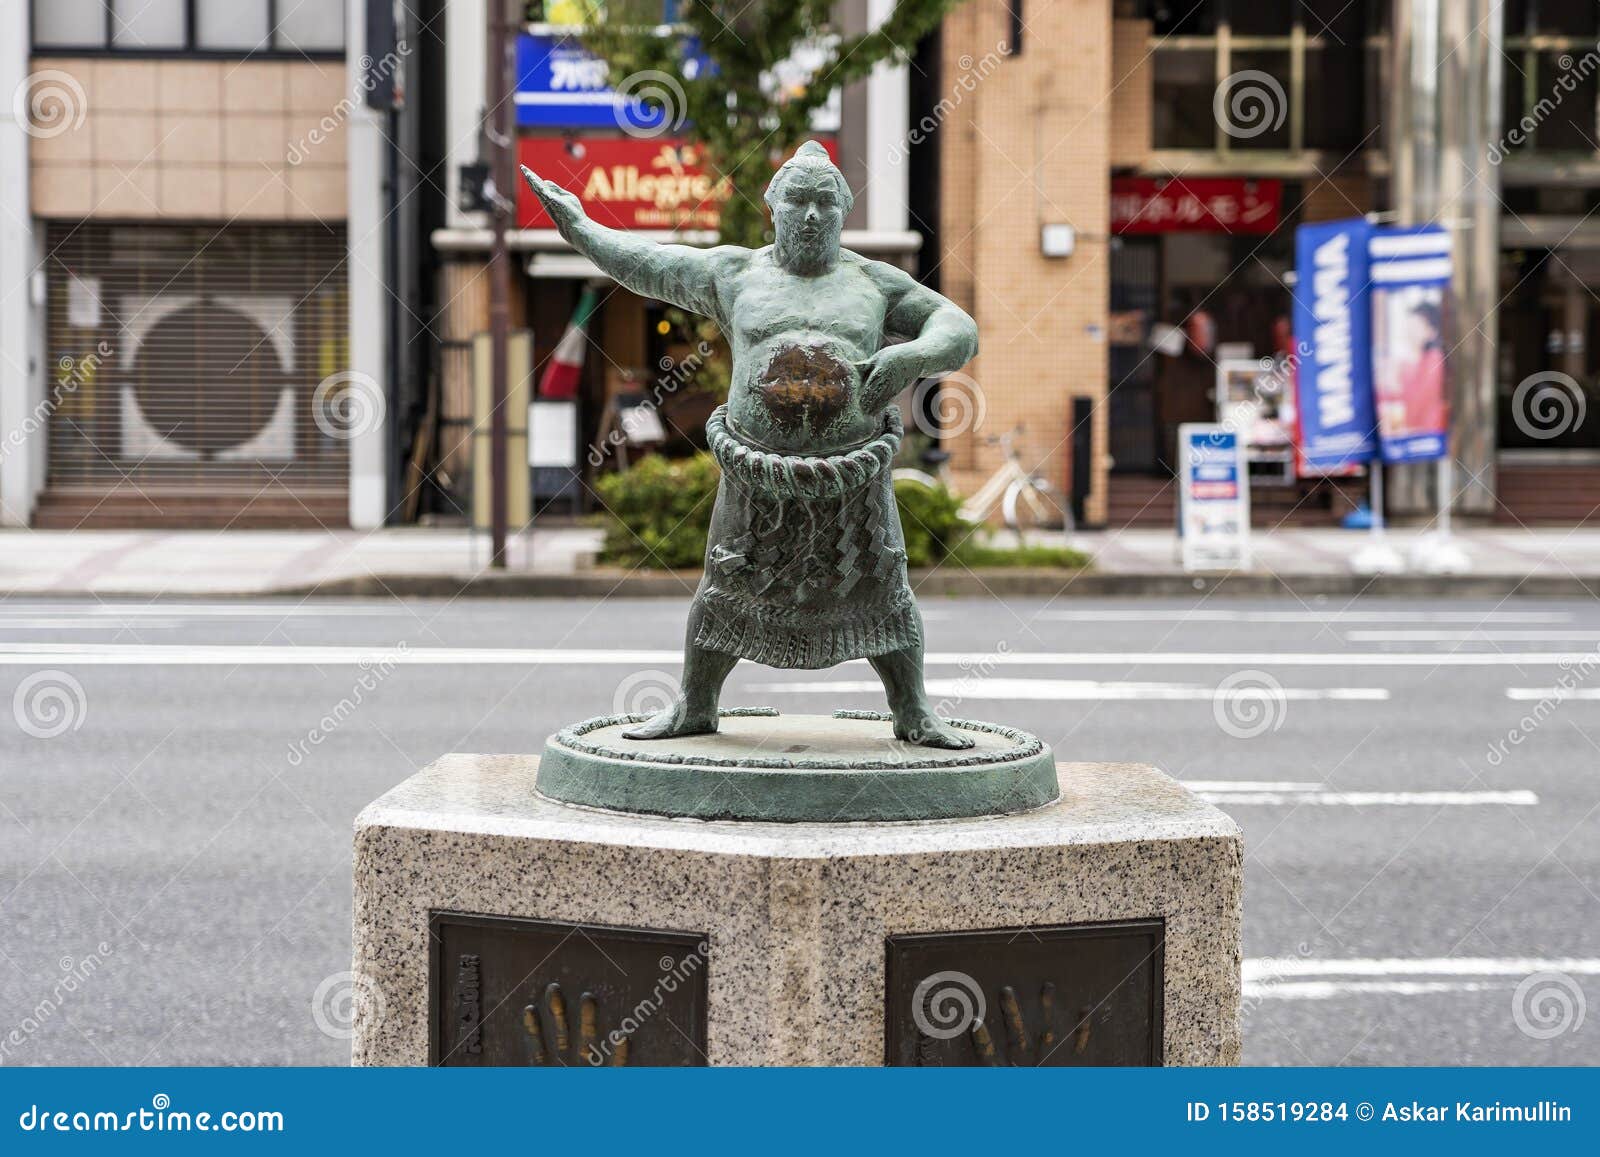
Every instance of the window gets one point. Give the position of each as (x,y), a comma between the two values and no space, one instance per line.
(68,24)
(1246,76)
(227,24)
(1551,69)
(142,24)
(169,27)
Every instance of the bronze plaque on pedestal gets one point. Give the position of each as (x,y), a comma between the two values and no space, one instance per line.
(504,991)
(1076,994)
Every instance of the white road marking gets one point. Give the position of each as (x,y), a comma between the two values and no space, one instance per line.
(1472,636)
(241,610)
(1285,978)
(1213,615)
(1075,690)
(1267,967)
(1217,786)
(1329,989)
(227,655)
(268,607)
(1372,798)
(1539,694)
(87,624)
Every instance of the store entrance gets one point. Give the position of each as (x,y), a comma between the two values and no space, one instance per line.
(1549,379)
(1548,399)
(1135,296)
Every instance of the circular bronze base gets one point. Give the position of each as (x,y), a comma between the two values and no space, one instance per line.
(760,765)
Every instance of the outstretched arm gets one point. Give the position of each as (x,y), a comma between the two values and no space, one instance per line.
(680,275)
(940,337)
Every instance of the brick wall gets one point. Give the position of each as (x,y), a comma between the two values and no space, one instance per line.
(195,140)
(1030,144)
(1132,78)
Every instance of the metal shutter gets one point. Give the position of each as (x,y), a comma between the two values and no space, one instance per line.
(188,357)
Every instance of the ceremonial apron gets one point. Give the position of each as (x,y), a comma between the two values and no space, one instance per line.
(806,563)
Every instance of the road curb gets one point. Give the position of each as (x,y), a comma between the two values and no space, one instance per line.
(949,583)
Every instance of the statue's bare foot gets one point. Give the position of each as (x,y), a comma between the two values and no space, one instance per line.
(674,721)
(928,730)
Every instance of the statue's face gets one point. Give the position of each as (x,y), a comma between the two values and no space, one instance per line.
(807,217)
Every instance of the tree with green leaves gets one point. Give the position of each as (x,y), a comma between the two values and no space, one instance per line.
(730,105)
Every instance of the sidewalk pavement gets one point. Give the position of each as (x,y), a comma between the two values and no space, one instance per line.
(418,562)
(1492,551)
(234,562)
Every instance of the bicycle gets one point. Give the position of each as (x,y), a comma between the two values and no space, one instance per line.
(1023,497)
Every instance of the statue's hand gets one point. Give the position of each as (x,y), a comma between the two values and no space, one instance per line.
(889,371)
(564,207)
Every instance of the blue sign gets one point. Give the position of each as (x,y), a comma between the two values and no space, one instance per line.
(1333,344)
(1410,267)
(1213,465)
(1213,497)
(560,84)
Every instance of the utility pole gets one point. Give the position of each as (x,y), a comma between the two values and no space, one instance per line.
(501,202)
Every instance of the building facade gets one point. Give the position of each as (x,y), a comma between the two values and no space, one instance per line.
(244,252)
(1180,143)
(635,176)
(192,256)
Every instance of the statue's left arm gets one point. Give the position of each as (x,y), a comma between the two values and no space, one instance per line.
(939,336)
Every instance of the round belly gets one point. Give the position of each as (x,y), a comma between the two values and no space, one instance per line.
(800,396)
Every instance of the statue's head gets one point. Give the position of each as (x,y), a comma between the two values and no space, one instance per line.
(809,200)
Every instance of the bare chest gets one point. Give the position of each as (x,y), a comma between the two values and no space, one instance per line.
(844,307)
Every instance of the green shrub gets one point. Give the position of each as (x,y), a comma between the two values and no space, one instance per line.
(931,519)
(657,514)
(976,555)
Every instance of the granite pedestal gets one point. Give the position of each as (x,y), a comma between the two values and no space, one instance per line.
(494,926)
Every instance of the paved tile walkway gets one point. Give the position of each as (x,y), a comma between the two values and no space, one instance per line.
(198,562)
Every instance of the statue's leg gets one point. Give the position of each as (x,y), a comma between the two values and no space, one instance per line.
(695,711)
(914,720)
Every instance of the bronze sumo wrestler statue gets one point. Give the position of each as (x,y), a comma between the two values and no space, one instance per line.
(806,563)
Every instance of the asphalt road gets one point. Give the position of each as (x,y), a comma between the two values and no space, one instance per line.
(1421,815)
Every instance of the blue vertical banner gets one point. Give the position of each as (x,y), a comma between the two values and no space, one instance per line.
(1333,344)
(1410,268)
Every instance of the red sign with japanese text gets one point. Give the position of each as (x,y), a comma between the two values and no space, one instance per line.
(627,182)
(1194,205)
